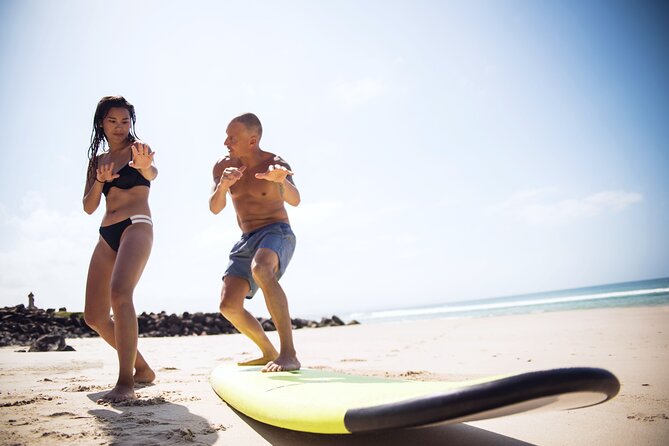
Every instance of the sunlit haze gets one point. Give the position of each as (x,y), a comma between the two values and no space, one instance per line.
(444,151)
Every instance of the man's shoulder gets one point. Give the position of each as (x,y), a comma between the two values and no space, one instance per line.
(226,161)
(273,158)
(222,163)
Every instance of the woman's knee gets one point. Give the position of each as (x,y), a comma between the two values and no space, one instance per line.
(121,295)
(96,319)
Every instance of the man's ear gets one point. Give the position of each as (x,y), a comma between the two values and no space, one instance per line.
(253,140)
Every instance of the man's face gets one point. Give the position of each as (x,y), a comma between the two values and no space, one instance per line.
(239,139)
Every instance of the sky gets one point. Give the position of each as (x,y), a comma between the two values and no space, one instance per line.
(444,150)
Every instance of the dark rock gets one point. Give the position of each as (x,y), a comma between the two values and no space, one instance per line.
(20,325)
(268,325)
(48,343)
(300,323)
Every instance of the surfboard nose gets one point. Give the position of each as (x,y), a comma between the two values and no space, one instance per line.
(556,389)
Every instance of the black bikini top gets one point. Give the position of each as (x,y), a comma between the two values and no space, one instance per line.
(129,178)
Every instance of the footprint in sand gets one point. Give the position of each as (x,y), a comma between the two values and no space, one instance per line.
(648,418)
(35,399)
(142,402)
(183,434)
(81,388)
(62,414)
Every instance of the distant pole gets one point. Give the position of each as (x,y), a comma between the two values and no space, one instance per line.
(31,300)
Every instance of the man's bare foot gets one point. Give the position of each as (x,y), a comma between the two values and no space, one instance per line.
(259,361)
(118,394)
(282,364)
(144,376)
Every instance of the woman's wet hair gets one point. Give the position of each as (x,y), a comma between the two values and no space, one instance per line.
(98,139)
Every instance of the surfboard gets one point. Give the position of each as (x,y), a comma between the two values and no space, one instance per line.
(321,401)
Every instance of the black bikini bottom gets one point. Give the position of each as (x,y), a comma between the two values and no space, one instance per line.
(112,233)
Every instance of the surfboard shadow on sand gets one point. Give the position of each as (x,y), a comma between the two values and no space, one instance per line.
(452,435)
(152,421)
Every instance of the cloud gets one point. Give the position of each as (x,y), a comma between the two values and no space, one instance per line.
(534,206)
(44,251)
(358,92)
(314,214)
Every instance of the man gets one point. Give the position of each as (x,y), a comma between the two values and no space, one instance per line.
(259,183)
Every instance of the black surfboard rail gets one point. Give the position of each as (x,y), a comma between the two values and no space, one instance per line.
(478,398)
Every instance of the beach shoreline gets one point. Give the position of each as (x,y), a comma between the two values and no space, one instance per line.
(50,396)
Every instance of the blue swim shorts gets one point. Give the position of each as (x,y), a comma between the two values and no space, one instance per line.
(276,236)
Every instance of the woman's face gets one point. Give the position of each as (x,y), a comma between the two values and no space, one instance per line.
(116,125)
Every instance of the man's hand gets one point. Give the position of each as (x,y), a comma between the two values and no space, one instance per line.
(275,173)
(142,156)
(231,175)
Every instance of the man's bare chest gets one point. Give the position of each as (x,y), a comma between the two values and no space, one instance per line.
(250,186)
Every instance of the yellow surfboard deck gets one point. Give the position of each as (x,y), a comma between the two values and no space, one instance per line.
(327,402)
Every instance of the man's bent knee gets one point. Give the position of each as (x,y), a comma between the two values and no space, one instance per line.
(232,296)
(263,272)
(228,309)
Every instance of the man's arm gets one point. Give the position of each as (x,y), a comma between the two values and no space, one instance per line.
(281,174)
(289,191)
(224,177)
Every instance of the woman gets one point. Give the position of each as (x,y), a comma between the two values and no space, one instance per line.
(123,174)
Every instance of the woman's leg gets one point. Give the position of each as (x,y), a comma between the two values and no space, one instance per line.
(131,259)
(98,304)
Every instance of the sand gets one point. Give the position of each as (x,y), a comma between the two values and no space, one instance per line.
(50,397)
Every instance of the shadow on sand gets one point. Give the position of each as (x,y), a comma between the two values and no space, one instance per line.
(451,435)
(152,421)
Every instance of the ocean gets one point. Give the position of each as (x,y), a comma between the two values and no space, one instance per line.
(628,294)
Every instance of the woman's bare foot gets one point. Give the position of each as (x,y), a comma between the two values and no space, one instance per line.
(118,394)
(282,364)
(144,376)
(259,361)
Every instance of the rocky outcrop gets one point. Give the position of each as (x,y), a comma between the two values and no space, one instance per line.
(24,326)
(50,343)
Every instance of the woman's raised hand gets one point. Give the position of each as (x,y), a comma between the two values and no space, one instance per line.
(105,173)
(142,156)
